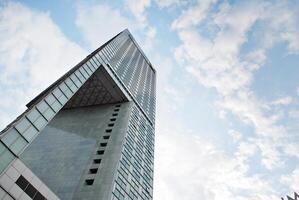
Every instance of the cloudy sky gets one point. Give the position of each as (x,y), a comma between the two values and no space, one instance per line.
(227,123)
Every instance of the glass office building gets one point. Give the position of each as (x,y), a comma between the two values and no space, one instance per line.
(89,135)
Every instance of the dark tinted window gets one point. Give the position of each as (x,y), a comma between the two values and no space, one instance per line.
(31,191)
(22,182)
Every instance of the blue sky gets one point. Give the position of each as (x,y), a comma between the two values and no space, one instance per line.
(227,93)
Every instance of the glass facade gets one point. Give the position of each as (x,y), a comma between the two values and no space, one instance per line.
(137,75)
(135,171)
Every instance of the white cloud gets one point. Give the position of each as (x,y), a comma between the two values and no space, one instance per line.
(281,25)
(193,15)
(271,156)
(294,114)
(150,36)
(34,53)
(216,62)
(257,56)
(236,136)
(292,180)
(292,149)
(137,8)
(100,22)
(168,3)
(190,167)
(282,101)
(246,149)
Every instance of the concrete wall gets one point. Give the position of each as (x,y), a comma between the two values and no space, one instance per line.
(62,155)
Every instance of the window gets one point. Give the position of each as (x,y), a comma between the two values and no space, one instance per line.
(39,196)
(114,114)
(121,182)
(29,189)
(111,125)
(117,106)
(106,137)
(108,130)
(103,144)
(116,110)
(112,119)
(14,141)
(97,161)
(119,194)
(93,170)
(89,181)
(100,152)
(22,182)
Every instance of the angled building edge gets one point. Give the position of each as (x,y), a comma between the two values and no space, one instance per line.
(89,135)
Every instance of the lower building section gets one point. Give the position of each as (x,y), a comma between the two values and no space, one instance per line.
(19,182)
(77,153)
(94,153)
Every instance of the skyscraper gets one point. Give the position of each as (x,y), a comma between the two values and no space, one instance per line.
(89,135)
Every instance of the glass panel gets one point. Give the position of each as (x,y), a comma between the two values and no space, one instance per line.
(22,125)
(62,99)
(2,148)
(82,70)
(93,63)
(49,114)
(87,69)
(30,133)
(104,53)
(100,57)
(108,47)
(79,75)
(50,99)
(108,52)
(6,157)
(75,80)
(18,146)
(68,93)
(57,93)
(10,137)
(91,67)
(96,61)
(33,115)
(103,57)
(56,106)
(71,85)
(42,106)
(40,123)
(63,87)
(97,57)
